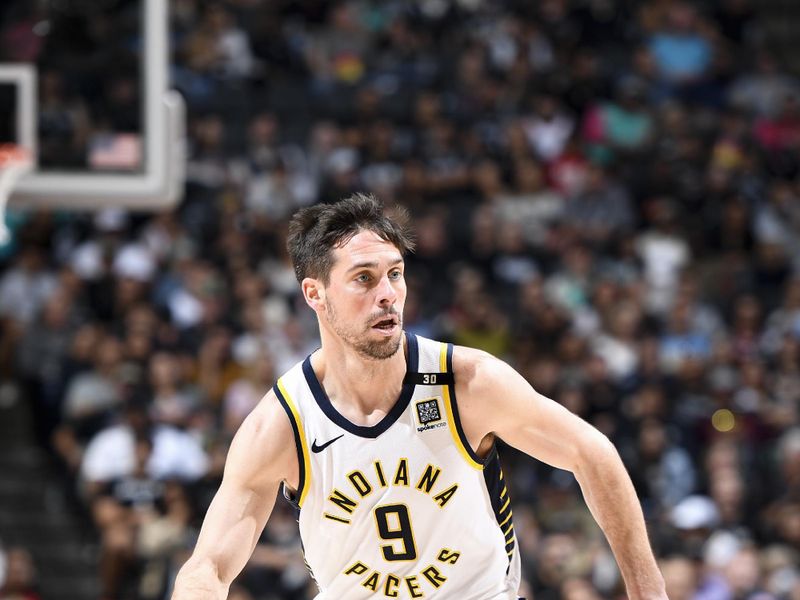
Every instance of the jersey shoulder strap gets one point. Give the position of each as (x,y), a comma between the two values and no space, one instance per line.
(433,368)
(436,370)
(290,391)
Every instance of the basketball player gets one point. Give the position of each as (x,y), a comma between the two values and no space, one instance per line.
(386,443)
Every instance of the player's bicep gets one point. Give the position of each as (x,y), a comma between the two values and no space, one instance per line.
(258,460)
(544,429)
(232,526)
(505,404)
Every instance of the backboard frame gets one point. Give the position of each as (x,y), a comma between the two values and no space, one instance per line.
(160,184)
(23,77)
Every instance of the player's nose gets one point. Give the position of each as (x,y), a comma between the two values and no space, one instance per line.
(386,294)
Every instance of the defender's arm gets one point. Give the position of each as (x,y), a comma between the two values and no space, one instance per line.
(494,399)
(262,455)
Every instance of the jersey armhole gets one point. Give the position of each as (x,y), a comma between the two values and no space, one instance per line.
(296,497)
(451,406)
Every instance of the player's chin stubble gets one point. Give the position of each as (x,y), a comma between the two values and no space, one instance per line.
(361,343)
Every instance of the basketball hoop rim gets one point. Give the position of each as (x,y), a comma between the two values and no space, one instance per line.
(15,161)
(14,153)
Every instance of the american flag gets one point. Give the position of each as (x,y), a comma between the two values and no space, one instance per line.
(115,151)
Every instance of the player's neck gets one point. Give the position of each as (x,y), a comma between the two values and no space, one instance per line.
(365,384)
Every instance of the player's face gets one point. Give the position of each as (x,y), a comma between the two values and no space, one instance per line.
(365,295)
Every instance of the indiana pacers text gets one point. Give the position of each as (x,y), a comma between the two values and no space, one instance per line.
(345,501)
(392,585)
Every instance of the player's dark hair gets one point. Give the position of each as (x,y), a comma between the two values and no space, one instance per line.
(314,232)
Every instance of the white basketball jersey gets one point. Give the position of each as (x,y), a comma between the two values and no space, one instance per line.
(404,508)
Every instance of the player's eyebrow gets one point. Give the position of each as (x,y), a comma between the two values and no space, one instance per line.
(371,264)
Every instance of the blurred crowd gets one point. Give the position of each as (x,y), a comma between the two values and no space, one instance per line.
(606,194)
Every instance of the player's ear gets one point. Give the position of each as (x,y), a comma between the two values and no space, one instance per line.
(314,293)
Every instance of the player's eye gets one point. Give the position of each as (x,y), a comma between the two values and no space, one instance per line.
(363,278)
(396,275)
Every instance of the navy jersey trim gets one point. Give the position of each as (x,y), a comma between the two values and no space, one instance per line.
(500,499)
(454,404)
(293,498)
(373,431)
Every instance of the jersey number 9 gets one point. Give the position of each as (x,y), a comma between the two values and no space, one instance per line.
(394,523)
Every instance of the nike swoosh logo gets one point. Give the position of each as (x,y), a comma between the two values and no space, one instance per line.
(315,448)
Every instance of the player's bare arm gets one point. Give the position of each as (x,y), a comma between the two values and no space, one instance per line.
(262,455)
(496,400)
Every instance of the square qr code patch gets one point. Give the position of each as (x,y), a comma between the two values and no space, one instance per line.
(428,411)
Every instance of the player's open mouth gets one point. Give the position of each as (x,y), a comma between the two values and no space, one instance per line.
(386,325)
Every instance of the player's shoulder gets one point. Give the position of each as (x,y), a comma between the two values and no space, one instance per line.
(267,422)
(266,433)
(474,367)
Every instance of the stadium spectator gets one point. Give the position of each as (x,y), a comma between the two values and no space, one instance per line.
(17,575)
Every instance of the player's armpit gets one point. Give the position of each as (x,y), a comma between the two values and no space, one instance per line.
(262,455)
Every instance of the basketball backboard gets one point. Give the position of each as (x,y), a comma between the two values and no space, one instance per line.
(84,86)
